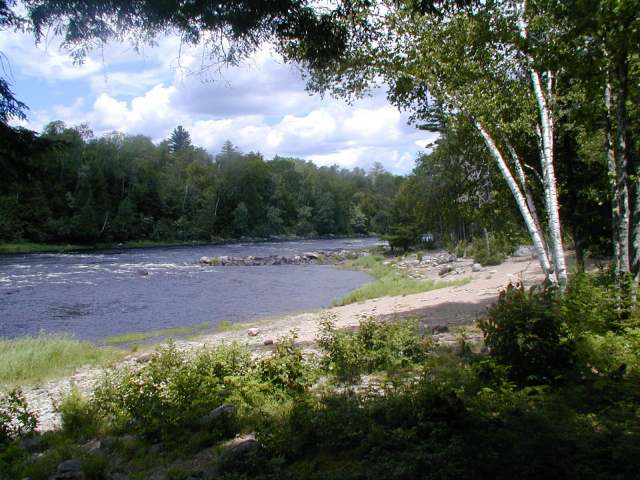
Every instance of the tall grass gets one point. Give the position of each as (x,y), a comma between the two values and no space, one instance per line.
(390,281)
(33,359)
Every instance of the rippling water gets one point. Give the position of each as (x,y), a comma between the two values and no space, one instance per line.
(94,295)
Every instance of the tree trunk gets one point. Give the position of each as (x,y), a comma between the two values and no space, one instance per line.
(548,173)
(534,231)
(622,161)
(613,181)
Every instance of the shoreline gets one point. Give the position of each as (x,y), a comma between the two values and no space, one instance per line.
(23,248)
(442,311)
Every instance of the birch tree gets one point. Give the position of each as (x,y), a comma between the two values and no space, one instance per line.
(471,60)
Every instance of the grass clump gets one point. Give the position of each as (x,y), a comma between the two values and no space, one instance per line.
(33,359)
(389,281)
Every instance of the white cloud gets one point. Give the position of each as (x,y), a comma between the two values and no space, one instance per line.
(260,106)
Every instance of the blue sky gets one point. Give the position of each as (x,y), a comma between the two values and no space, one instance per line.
(259,106)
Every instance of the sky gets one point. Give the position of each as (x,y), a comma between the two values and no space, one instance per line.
(259,106)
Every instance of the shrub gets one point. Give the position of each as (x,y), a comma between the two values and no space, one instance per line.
(16,419)
(374,346)
(491,250)
(525,331)
(286,367)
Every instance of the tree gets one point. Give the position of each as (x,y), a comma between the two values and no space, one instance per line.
(179,139)
(10,106)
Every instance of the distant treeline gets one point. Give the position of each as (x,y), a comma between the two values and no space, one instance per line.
(72,187)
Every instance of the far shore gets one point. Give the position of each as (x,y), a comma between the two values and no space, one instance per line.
(31,247)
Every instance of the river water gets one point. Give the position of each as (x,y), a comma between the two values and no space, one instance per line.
(98,294)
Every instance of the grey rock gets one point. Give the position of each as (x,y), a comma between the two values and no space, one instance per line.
(142,272)
(452,258)
(524,251)
(144,358)
(69,466)
(252,332)
(204,259)
(444,270)
(224,410)
(476,267)
(268,341)
(439,329)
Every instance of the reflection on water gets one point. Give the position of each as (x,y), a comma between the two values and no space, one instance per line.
(94,295)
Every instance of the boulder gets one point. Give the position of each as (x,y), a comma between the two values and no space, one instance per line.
(444,270)
(253,332)
(476,267)
(225,410)
(524,251)
(268,341)
(204,260)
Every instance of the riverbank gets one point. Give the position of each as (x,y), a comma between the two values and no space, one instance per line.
(450,312)
(30,247)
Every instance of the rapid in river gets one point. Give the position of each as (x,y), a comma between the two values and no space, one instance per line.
(98,294)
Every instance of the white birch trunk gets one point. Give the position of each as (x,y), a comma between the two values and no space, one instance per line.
(549,177)
(622,162)
(532,228)
(613,182)
(522,178)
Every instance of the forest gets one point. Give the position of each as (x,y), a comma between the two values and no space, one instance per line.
(78,189)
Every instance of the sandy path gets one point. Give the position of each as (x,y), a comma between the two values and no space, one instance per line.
(447,306)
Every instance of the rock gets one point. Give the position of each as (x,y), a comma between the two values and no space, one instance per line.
(204,259)
(439,329)
(476,267)
(524,251)
(452,258)
(268,341)
(224,410)
(239,450)
(144,358)
(253,332)
(142,272)
(312,255)
(93,446)
(69,470)
(71,465)
(444,270)
(32,443)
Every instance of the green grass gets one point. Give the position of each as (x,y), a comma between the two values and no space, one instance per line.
(33,359)
(139,337)
(390,281)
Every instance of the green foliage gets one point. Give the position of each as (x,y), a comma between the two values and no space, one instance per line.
(286,367)
(118,189)
(490,250)
(374,346)
(402,237)
(526,331)
(16,420)
(28,360)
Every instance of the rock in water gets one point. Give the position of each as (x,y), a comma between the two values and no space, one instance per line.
(204,260)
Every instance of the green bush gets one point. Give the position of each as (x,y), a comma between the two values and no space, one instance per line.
(491,251)
(286,367)
(16,420)
(374,346)
(526,331)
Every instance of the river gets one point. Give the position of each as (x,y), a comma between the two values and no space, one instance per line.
(98,294)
